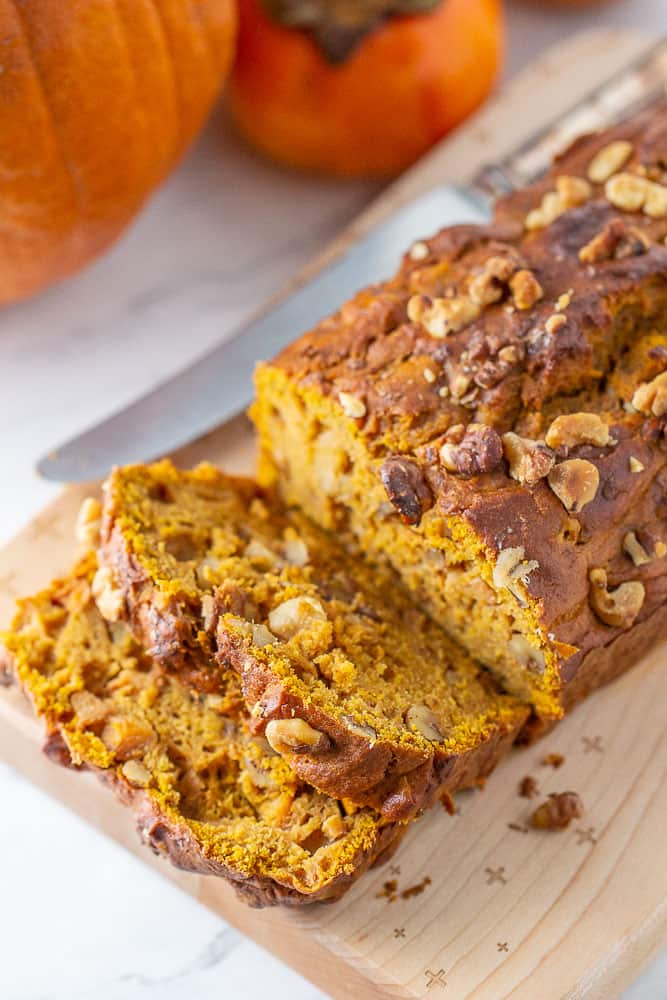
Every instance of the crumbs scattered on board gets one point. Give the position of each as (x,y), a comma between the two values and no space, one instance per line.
(390,891)
(554,760)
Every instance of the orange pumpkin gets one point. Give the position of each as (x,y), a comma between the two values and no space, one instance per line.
(98,100)
(360,87)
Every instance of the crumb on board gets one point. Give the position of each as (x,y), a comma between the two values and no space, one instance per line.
(554,760)
(558,811)
(528,787)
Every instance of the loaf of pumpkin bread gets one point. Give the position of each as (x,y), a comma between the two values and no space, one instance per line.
(363,695)
(491,421)
(207,794)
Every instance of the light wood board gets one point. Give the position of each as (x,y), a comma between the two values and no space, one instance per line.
(509,912)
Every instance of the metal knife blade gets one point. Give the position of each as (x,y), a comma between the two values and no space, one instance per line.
(219,385)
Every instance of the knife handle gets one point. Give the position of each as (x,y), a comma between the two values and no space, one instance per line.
(640,85)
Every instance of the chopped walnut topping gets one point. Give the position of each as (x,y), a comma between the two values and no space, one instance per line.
(526,289)
(352,405)
(295,736)
(529,461)
(558,811)
(634,548)
(419,250)
(616,241)
(108,597)
(651,397)
(440,317)
(563,301)
(88,523)
(626,191)
(297,613)
(635,464)
(420,719)
(510,354)
(575,482)
(633,193)
(429,375)
(489,286)
(406,488)
(572,429)
(443,391)
(609,160)
(513,568)
(570,192)
(618,607)
(660,550)
(480,450)
(554,323)
(359,728)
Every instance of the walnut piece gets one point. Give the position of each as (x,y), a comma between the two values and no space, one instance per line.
(609,160)
(420,719)
(634,548)
(558,811)
(295,736)
(418,251)
(512,569)
(651,397)
(359,728)
(406,488)
(526,654)
(88,523)
(333,827)
(635,464)
(615,242)
(489,286)
(529,461)
(632,193)
(296,550)
(108,597)
(618,607)
(554,323)
(295,614)
(572,429)
(352,405)
(136,773)
(575,482)
(479,451)
(89,708)
(124,736)
(570,192)
(526,289)
(440,317)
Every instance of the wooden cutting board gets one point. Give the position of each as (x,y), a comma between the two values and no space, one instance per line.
(498,910)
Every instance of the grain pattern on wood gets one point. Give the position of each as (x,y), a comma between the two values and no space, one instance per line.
(477,905)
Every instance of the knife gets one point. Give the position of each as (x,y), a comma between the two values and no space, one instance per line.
(219,385)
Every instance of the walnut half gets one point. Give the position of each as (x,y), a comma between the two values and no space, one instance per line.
(295,736)
(575,482)
(618,607)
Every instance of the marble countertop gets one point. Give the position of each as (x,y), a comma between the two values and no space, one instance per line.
(64,360)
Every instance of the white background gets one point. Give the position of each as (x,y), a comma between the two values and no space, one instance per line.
(80,918)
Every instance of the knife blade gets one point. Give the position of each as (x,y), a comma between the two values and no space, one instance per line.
(219,385)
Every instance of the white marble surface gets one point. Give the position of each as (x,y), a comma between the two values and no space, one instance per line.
(64,363)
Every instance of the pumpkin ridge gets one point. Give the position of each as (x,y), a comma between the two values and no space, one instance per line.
(77,194)
(178,94)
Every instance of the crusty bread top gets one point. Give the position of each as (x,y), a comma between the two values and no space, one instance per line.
(555,310)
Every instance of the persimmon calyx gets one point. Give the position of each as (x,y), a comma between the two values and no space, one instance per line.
(338,26)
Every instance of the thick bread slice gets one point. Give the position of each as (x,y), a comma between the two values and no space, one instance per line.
(365,696)
(492,420)
(206,793)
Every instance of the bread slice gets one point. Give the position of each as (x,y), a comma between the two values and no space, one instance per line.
(491,421)
(364,696)
(206,793)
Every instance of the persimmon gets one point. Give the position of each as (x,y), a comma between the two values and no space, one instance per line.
(98,100)
(360,87)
